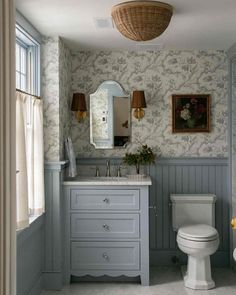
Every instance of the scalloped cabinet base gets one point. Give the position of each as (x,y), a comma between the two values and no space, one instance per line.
(106,231)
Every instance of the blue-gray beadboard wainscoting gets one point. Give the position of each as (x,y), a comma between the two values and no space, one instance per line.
(30,257)
(39,255)
(180,175)
(187,176)
(53,247)
(176,175)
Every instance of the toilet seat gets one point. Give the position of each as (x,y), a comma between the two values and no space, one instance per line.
(198,233)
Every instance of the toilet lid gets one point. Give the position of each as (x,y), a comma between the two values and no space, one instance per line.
(198,232)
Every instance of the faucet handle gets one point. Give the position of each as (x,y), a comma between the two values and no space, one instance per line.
(97,172)
(118,171)
(108,171)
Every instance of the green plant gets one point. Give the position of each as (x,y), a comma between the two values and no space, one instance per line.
(144,155)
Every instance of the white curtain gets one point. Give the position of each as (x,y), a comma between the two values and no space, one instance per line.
(7,150)
(36,199)
(22,211)
(29,155)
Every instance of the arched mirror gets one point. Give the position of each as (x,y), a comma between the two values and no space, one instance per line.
(110,116)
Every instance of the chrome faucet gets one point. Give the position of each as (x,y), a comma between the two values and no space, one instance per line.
(108,171)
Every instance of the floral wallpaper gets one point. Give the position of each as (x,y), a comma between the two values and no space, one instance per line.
(65,95)
(50,95)
(56,77)
(160,74)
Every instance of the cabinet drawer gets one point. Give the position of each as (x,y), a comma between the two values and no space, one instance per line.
(105,255)
(105,225)
(82,199)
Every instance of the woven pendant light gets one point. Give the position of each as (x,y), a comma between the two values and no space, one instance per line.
(141,20)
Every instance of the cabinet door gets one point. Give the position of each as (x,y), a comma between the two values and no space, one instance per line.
(83,199)
(105,225)
(105,255)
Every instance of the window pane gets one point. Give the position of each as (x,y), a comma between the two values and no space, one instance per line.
(23,83)
(23,60)
(17,80)
(17,57)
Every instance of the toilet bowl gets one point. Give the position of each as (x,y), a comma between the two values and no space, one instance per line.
(198,242)
(193,216)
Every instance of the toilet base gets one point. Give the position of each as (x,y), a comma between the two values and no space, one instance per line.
(197,276)
(200,285)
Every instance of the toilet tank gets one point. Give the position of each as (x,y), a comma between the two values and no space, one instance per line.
(193,209)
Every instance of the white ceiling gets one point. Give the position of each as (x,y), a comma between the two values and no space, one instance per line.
(195,24)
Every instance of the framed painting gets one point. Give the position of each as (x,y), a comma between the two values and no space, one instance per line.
(191,112)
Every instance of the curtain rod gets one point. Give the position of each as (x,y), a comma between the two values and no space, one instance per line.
(38,97)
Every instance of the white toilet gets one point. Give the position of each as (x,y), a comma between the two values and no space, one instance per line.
(194,218)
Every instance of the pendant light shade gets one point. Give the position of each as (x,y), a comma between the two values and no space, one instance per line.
(141,20)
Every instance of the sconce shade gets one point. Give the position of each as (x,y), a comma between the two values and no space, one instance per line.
(78,102)
(138,100)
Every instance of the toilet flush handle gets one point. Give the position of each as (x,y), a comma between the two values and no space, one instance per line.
(233,223)
(154,207)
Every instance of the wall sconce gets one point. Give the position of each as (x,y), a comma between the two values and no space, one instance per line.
(78,105)
(138,103)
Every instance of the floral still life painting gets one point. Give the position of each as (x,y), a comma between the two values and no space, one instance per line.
(190,113)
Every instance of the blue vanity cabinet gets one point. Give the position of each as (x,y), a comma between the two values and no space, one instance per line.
(106,230)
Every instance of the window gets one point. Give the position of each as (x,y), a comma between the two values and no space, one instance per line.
(27,62)
(28,80)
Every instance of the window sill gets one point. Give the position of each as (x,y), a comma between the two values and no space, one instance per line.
(36,222)
(33,218)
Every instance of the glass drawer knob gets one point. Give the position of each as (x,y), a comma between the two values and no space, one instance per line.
(105,256)
(106,227)
(106,200)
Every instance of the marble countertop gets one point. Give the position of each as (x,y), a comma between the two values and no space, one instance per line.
(107,181)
